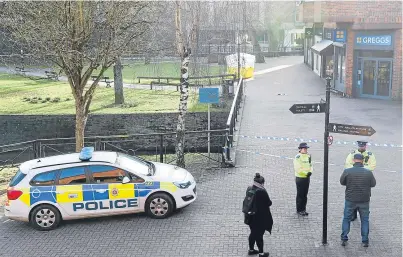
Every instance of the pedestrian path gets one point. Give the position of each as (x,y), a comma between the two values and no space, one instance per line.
(271,64)
(266,112)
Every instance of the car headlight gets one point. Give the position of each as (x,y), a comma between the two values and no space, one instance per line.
(183,185)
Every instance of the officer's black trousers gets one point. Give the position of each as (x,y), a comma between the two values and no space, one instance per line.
(256,235)
(302,193)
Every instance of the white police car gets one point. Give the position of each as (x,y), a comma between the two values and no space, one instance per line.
(95,183)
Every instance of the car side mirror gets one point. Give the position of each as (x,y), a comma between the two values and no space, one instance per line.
(125,180)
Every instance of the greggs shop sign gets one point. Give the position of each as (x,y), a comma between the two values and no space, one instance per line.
(378,40)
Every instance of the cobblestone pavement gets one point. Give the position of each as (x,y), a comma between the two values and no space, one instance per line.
(213,225)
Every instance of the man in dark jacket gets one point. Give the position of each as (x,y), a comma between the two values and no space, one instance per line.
(261,220)
(358,181)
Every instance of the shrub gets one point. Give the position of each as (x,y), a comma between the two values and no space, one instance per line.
(34,101)
(43,101)
(47,98)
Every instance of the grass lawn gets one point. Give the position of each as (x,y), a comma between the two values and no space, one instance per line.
(14,88)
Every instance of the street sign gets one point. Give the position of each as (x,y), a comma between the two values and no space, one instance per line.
(308,32)
(209,95)
(308,108)
(351,129)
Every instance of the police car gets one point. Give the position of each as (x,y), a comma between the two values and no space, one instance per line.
(95,183)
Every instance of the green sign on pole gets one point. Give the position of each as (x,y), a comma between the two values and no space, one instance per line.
(308,32)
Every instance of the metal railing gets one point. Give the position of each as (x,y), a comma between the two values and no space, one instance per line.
(231,121)
(157,146)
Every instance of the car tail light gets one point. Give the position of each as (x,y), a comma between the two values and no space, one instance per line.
(13,194)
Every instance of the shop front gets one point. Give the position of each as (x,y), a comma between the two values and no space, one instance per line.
(373,56)
(339,68)
(323,57)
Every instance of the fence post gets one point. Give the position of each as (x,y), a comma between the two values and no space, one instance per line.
(98,144)
(227,145)
(162,148)
(35,150)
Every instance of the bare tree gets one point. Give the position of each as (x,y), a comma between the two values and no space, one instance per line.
(184,52)
(118,81)
(81,37)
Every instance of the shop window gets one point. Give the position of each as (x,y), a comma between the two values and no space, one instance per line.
(342,64)
(336,64)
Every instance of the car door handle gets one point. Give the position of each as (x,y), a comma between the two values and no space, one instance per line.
(100,191)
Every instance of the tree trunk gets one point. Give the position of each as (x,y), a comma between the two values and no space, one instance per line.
(256,47)
(184,94)
(118,82)
(81,121)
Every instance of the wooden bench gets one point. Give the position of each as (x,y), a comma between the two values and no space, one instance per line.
(107,81)
(104,79)
(158,78)
(20,69)
(52,75)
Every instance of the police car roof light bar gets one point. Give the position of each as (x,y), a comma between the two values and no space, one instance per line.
(86,153)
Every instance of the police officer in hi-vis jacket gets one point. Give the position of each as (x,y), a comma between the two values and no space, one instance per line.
(303,170)
(369,162)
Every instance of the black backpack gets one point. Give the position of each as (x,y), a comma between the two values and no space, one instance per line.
(248,206)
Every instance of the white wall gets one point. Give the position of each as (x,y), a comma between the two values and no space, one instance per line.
(317,62)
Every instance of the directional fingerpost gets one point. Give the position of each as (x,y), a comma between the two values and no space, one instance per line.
(351,129)
(308,108)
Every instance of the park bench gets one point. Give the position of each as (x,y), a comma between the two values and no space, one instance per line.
(20,69)
(107,81)
(52,75)
(104,79)
(158,78)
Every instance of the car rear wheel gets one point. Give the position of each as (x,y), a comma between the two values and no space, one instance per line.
(159,206)
(45,217)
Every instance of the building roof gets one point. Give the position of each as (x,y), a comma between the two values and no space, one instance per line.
(321,46)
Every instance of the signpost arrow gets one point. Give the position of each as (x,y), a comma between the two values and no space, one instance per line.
(351,129)
(308,108)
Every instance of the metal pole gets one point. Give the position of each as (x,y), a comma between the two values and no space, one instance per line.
(326,162)
(208,128)
(161,148)
(239,56)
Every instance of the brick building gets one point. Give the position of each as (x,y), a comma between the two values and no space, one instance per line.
(360,42)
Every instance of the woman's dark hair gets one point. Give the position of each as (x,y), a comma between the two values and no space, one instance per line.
(258,178)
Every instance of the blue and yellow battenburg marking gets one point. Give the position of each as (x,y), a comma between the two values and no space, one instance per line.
(121,195)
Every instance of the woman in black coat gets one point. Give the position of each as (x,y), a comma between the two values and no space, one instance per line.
(262,219)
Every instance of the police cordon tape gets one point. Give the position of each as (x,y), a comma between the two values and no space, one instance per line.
(297,139)
(290,158)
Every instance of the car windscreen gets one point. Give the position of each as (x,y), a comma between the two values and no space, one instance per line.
(133,164)
(17,178)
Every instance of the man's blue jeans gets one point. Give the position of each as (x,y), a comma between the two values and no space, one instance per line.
(363,209)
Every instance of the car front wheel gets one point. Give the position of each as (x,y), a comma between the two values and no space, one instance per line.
(159,206)
(45,217)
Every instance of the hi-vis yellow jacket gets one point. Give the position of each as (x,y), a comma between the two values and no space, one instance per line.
(302,165)
(369,160)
